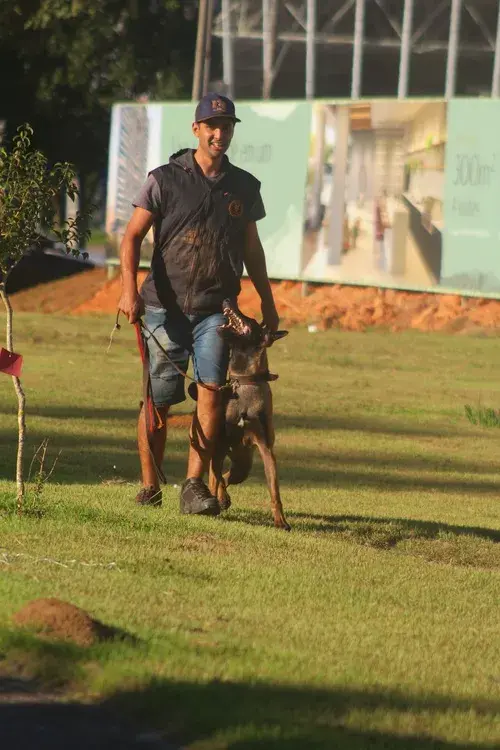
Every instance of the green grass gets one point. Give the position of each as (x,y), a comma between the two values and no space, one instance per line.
(482,415)
(374,623)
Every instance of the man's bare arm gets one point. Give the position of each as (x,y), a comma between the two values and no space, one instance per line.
(130,253)
(255,263)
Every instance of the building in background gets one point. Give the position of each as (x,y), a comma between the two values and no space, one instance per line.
(343,48)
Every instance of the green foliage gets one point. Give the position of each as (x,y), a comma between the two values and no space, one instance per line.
(68,61)
(484,416)
(29,191)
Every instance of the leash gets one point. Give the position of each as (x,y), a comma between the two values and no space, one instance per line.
(153,418)
(142,327)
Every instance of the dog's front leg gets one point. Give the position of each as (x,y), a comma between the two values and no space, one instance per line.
(270,468)
(216,482)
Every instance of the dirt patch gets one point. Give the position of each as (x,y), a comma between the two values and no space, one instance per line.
(61,296)
(326,306)
(60,620)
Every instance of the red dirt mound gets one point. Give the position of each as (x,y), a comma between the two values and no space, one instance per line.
(61,296)
(347,307)
(54,618)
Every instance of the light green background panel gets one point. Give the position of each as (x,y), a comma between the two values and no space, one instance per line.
(471,247)
(176,133)
(271,142)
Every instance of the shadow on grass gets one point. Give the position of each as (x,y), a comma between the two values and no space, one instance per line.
(351,423)
(403,527)
(387,533)
(237,716)
(90,459)
(79,412)
(372,425)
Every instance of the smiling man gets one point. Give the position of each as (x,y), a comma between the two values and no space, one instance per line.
(203,211)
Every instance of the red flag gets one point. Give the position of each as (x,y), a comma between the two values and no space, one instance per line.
(10,363)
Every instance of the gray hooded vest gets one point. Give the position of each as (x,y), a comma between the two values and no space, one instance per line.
(199,235)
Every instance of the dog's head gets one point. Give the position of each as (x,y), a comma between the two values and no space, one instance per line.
(248,340)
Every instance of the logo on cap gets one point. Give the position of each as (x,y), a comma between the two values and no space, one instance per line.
(218,105)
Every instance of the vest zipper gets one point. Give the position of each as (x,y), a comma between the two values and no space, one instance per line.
(188,298)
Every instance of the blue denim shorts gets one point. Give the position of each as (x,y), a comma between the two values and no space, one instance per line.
(182,337)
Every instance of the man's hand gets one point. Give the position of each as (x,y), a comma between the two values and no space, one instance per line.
(270,316)
(131,305)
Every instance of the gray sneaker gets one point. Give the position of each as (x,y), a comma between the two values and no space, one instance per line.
(196,498)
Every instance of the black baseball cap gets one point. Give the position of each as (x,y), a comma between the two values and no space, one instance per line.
(215,105)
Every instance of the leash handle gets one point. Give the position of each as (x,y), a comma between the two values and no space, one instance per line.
(116,327)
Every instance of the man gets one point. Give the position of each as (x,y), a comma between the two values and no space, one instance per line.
(203,211)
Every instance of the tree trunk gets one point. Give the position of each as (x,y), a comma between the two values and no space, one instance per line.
(21,400)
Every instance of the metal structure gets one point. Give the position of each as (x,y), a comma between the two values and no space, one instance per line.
(358,48)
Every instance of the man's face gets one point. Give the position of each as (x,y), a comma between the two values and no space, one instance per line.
(214,135)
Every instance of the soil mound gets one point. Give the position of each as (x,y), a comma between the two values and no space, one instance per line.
(61,620)
(349,308)
(61,296)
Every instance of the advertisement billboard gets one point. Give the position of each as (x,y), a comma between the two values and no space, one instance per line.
(472,189)
(390,193)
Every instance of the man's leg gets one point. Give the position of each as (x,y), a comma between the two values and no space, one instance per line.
(167,388)
(204,431)
(210,357)
(148,471)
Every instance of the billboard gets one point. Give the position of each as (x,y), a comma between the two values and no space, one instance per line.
(472,189)
(391,193)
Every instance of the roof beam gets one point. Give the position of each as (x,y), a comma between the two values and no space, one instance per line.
(480,22)
(347,40)
(429,21)
(395,25)
(296,15)
(339,15)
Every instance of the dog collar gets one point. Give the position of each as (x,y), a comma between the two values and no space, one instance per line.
(260,377)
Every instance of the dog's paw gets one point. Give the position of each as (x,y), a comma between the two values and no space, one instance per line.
(224,500)
(283,525)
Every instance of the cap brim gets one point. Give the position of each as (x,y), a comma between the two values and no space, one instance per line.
(219,117)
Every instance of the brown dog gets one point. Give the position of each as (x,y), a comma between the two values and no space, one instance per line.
(248,411)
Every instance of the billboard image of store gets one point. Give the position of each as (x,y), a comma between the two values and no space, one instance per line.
(390,193)
(374,195)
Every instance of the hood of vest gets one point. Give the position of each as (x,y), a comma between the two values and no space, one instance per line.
(185,159)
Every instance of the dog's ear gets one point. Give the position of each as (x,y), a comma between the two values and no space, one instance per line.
(271,336)
(279,335)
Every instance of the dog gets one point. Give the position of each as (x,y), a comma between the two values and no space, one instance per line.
(248,412)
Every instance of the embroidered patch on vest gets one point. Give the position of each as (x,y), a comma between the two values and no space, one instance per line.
(235,208)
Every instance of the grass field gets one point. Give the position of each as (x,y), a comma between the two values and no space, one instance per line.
(373,624)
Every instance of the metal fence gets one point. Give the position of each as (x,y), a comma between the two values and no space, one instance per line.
(356,48)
